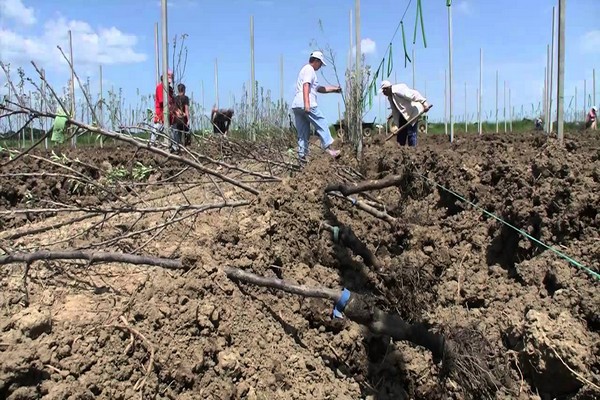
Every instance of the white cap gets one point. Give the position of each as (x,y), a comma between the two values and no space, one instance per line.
(595,108)
(385,84)
(319,56)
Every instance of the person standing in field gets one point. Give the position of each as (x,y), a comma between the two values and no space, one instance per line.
(221,120)
(306,110)
(159,121)
(591,120)
(182,116)
(406,103)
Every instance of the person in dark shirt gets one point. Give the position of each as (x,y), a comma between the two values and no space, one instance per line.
(221,120)
(182,115)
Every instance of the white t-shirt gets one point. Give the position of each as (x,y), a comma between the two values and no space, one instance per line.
(307,75)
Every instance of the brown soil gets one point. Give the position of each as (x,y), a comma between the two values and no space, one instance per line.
(527,317)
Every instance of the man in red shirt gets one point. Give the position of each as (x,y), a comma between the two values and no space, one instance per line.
(159,107)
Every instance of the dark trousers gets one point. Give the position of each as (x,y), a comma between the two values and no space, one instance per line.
(408,134)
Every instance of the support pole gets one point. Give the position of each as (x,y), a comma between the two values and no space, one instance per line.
(560,92)
(100,114)
(216,82)
(358,77)
(252,79)
(584,98)
(551,84)
(414,84)
(72,86)
(497,102)
(504,108)
(165,62)
(156,53)
(450,69)
(445,102)
(510,110)
(42,104)
(426,118)
(548,79)
(281,91)
(576,110)
(466,117)
(480,96)
(594,87)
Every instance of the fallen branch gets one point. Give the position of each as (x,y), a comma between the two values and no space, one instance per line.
(367,208)
(91,257)
(364,186)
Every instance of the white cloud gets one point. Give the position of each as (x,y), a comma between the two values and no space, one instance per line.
(367,46)
(16,10)
(464,7)
(590,42)
(90,46)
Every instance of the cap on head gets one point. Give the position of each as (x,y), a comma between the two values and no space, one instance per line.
(319,56)
(595,109)
(385,84)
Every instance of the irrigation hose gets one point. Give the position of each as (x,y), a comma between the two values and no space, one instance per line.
(572,261)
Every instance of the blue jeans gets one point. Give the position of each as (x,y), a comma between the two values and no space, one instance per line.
(409,133)
(303,122)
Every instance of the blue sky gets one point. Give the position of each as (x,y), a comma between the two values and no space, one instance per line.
(120,35)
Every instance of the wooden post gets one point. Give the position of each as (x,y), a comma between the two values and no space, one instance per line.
(560,92)
(551,76)
(156,53)
(165,62)
(450,70)
(72,87)
(480,96)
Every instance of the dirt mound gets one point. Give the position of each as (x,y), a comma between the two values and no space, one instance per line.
(522,314)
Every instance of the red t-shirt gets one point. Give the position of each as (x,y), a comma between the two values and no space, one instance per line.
(159,106)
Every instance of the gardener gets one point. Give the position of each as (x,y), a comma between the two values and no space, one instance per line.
(306,111)
(221,120)
(182,116)
(591,120)
(159,107)
(406,104)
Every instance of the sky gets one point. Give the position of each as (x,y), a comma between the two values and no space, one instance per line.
(119,34)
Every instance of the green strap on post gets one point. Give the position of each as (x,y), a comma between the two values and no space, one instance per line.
(406,57)
(419,17)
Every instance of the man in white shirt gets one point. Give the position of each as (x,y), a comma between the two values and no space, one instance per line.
(305,107)
(406,103)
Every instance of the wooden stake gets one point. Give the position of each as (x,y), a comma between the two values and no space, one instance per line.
(450,71)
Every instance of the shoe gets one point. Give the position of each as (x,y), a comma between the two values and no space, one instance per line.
(333,153)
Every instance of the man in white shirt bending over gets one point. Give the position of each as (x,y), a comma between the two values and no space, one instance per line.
(305,107)
(406,103)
